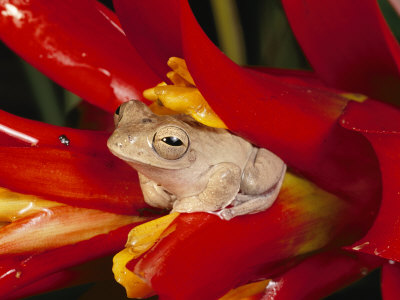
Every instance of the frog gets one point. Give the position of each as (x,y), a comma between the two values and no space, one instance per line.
(185,166)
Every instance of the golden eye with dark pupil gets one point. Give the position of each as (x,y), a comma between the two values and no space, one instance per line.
(172,141)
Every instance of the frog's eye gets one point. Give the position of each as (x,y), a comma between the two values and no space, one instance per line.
(117,110)
(118,115)
(171,142)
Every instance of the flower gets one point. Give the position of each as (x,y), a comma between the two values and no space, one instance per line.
(347,148)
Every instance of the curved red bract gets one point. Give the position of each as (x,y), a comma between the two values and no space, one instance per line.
(297,122)
(83,173)
(379,124)
(241,250)
(353,154)
(349,45)
(390,281)
(79,45)
(320,275)
(161,38)
(43,264)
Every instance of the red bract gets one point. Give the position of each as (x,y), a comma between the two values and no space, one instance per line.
(321,274)
(390,281)
(24,271)
(353,154)
(313,142)
(79,45)
(348,44)
(246,248)
(83,173)
(384,135)
(154,18)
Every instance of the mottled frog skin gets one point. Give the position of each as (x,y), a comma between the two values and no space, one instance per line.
(189,167)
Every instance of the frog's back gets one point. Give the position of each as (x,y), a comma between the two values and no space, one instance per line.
(217,145)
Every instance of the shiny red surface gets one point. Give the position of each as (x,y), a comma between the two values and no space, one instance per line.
(380,125)
(152,26)
(204,257)
(83,174)
(320,275)
(36,266)
(79,45)
(390,281)
(298,123)
(348,44)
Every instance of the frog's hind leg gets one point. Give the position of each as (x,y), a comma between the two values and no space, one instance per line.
(262,171)
(251,204)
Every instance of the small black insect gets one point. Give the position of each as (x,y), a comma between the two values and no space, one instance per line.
(64,140)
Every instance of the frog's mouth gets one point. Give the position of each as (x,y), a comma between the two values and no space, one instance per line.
(136,164)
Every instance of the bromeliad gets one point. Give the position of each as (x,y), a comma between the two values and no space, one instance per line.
(347,148)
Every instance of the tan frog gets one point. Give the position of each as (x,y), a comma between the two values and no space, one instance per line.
(189,167)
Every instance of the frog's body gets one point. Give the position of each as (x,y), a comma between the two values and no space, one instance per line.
(186,166)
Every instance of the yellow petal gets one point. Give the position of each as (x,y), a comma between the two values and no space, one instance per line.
(150,94)
(143,237)
(161,110)
(188,100)
(245,291)
(140,239)
(135,287)
(14,206)
(176,79)
(315,202)
(355,97)
(178,65)
(181,97)
(59,226)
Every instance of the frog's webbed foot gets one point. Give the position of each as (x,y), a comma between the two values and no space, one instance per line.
(250,204)
(222,188)
(154,194)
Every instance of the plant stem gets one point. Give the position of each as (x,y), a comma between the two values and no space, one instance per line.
(229,30)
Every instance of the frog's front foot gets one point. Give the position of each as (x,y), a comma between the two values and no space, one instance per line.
(251,204)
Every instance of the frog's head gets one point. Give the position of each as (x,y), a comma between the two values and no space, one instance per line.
(142,138)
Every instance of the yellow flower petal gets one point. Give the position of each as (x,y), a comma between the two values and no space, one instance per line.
(314,202)
(188,100)
(150,94)
(135,287)
(355,97)
(178,80)
(143,237)
(181,97)
(161,110)
(140,239)
(246,291)
(14,206)
(178,65)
